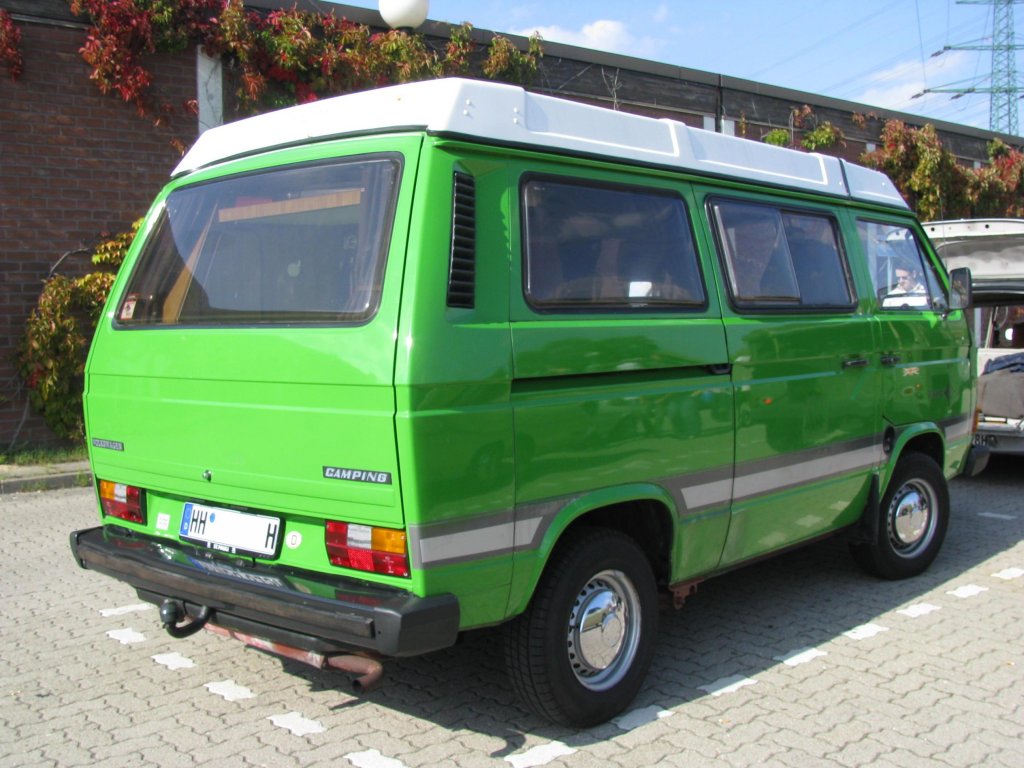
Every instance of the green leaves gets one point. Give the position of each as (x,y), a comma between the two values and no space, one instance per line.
(52,353)
(937,186)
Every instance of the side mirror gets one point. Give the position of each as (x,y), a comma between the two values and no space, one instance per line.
(960,288)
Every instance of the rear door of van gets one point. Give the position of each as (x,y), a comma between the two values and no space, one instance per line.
(800,342)
(246,359)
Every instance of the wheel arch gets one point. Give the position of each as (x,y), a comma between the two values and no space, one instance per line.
(644,512)
(925,438)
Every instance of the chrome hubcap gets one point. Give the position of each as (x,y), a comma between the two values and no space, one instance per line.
(604,630)
(911,521)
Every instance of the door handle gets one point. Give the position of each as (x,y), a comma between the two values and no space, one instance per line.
(855,362)
(890,360)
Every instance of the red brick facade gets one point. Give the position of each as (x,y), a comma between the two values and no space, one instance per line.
(74,164)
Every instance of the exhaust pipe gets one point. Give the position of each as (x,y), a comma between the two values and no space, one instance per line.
(369,670)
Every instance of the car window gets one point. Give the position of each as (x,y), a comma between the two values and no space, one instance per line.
(591,247)
(288,245)
(780,258)
(903,279)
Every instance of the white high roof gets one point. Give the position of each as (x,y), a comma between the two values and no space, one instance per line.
(506,114)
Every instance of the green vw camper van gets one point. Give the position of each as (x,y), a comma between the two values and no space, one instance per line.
(389,367)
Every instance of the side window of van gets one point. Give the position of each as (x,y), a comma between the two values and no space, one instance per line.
(607,247)
(780,258)
(903,278)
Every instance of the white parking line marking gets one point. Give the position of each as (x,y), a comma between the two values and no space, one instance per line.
(996,516)
(371,758)
(108,612)
(297,724)
(230,690)
(864,631)
(967,590)
(541,755)
(1009,573)
(639,717)
(173,660)
(727,685)
(800,656)
(126,636)
(918,609)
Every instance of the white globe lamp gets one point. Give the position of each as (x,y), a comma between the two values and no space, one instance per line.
(404,14)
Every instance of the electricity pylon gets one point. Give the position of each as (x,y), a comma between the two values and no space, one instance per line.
(1004,91)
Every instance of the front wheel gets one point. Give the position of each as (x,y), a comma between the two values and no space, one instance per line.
(914,515)
(580,652)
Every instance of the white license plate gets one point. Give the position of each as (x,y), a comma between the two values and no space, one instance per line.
(230,531)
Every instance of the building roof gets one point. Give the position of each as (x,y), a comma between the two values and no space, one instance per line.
(508,115)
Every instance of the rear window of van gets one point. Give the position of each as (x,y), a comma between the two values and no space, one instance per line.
(301,244)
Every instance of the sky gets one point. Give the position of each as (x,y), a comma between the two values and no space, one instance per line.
(875,52)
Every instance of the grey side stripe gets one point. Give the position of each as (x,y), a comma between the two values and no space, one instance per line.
(500,533)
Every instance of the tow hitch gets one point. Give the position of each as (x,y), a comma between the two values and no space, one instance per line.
(173,611)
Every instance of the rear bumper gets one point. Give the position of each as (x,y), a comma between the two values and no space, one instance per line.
(314,611)
(1001,436)
(977,459)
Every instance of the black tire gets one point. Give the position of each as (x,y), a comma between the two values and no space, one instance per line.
(913,517)
(556,667)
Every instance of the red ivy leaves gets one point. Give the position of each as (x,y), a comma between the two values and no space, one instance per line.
(123,31)
(10,41)
(283,57)
(937,186)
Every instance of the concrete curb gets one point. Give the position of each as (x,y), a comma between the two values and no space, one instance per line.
(25,479)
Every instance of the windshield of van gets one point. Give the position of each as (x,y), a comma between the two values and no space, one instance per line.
(303,244)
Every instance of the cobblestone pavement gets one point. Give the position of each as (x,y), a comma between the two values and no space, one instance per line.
(799,661)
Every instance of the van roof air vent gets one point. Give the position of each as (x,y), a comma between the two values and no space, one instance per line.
(462,267)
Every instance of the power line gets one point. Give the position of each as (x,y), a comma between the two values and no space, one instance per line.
(1004,90)
(805,50)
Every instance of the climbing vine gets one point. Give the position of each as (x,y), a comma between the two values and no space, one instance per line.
(10,45)
(937,186)
(927,174)
(821,136)
(282,57)
(52,353)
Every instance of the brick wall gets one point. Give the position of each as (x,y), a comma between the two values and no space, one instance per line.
(74,164)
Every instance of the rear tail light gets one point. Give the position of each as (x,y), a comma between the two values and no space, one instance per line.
(367,548)
(122,501)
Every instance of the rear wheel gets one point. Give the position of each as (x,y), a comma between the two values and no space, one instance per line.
(914,516)
(580,652)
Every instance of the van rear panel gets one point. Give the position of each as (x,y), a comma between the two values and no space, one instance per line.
(244,374)
(215,401)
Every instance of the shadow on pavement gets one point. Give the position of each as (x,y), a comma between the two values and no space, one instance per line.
(737,623)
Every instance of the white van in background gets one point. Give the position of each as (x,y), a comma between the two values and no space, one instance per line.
(993,249)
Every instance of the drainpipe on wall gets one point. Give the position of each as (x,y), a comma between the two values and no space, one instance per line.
(209,90)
